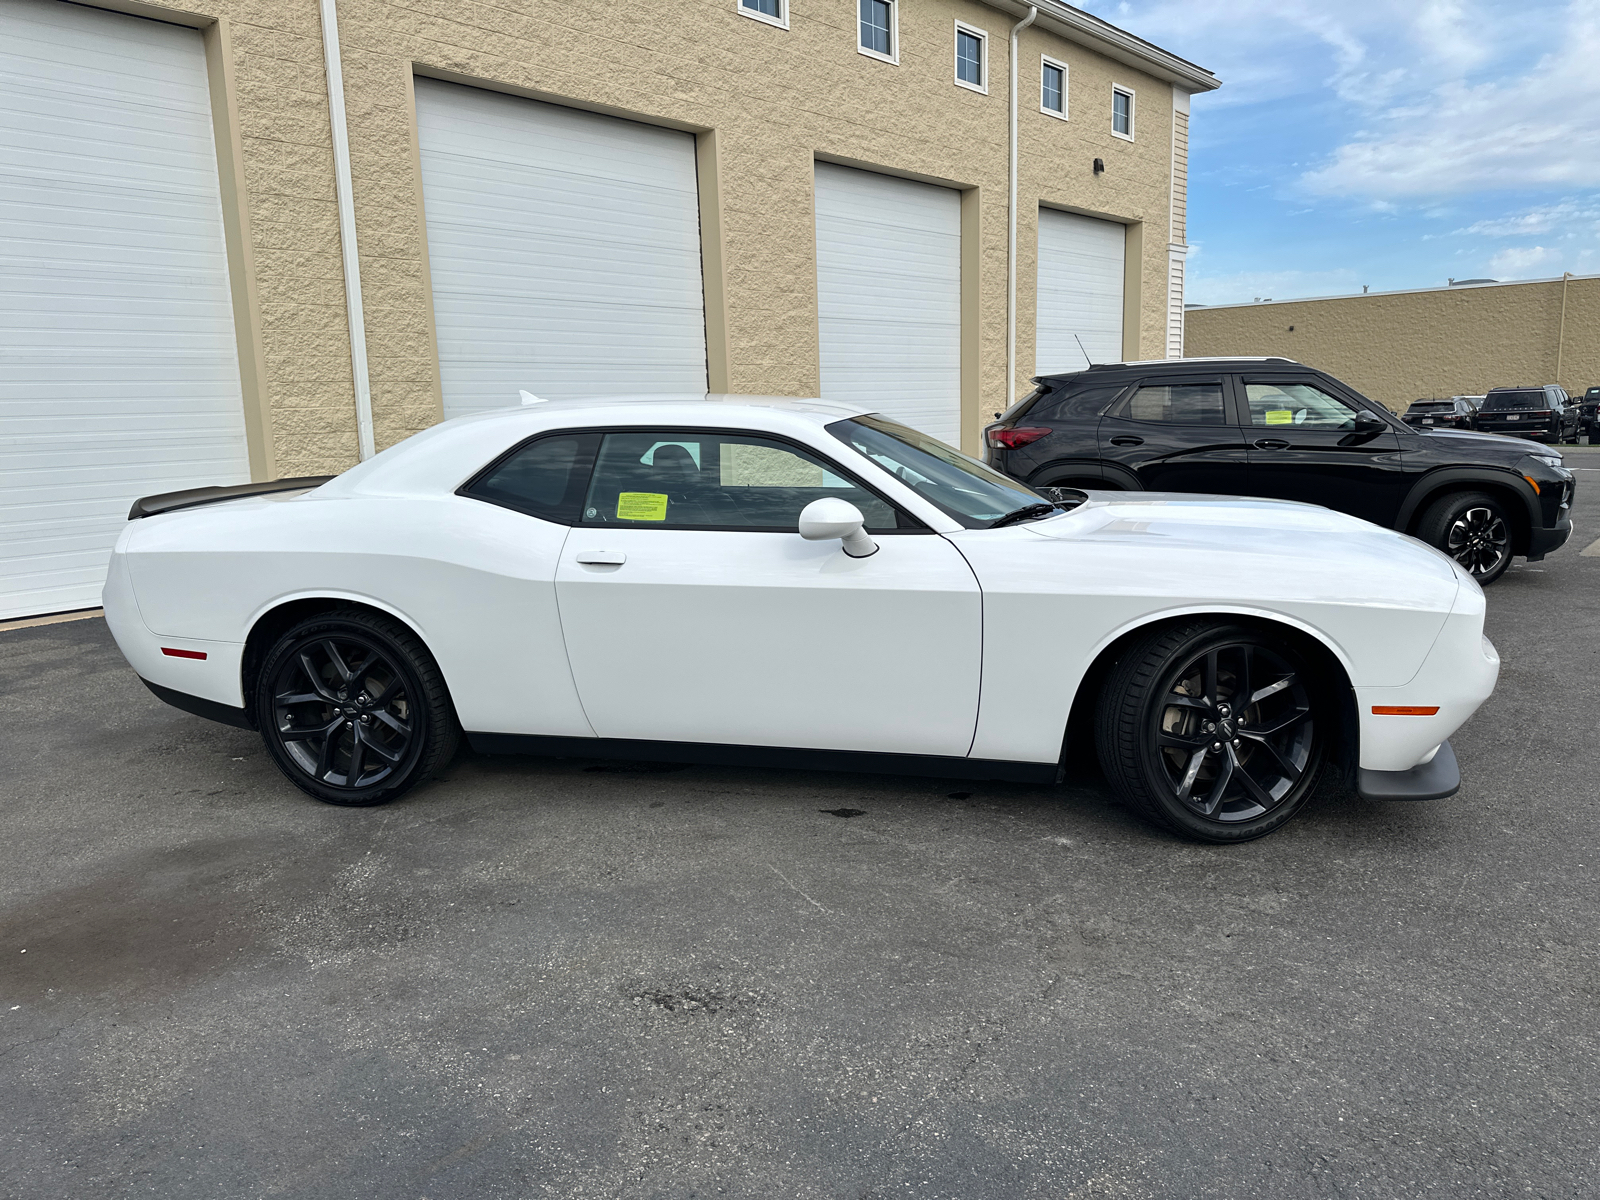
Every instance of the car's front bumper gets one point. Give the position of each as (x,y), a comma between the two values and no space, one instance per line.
(1542,541)
(1435,779)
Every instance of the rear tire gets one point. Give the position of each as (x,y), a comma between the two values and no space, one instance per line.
(353,709)
(1474,529)
(1217,732)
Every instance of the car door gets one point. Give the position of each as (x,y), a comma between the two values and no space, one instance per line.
(1304,446)
(1176,434)
(694,612)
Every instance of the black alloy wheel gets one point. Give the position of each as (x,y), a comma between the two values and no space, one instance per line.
(1215,731)
(1474,529)
(353,708)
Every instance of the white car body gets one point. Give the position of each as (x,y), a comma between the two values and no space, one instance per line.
(964,645)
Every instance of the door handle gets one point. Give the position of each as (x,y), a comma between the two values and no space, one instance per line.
(602,558)
(1127,439)
(1272,444)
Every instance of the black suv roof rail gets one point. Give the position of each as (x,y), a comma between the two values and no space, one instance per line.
(1173,363)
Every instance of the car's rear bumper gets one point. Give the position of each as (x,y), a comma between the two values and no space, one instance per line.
(1433,780)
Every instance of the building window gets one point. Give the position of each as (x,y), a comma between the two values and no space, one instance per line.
(1053,88)
(878,33)
(773,12)
(1122,111)
(972,58)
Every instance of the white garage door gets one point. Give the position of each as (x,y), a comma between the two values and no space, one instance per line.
(564,248)
(119,373)
(889,296)
(1080,291)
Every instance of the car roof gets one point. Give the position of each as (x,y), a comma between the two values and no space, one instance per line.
(1175,366)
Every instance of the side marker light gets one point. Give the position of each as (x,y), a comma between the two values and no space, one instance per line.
(1405,710)
(171,653)
(1534,483)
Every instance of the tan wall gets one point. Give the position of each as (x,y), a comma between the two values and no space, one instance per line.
(1405,346)
(765,102)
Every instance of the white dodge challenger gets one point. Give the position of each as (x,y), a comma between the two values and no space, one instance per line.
(780,582)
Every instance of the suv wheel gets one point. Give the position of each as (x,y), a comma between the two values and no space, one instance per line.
(353,709)
(1215,731)
(1474,529)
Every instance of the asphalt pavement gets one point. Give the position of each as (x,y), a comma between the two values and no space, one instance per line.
(571,979)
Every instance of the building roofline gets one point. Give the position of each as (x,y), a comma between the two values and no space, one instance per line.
(1457,287)
(1102,36)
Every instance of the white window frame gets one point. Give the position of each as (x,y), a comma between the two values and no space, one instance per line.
(893,58)
(983,57)
(1046,61)
(1133,111)
(781,21)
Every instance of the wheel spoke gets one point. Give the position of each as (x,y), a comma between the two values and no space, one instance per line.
(1211,677)
(1179,700)
(337,660)
(1291,771)
(1278,724)
(325,751)
(393,722)
(310,731)
(288,698)
(387,695)
(314,677)
(1272,689)
(1257,793)
(1219,789)
(389,756)
(1241,681)
(1196,761)
(352,775)
(360,673)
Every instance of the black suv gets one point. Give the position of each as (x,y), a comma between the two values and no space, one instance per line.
(1272,427)
(1544,413)
(1454,413)
(1589,414)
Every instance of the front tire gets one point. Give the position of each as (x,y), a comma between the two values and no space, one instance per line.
(1474,529)
(1218,732)
(353,709)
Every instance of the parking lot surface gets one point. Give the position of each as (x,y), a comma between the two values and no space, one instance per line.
(565,978)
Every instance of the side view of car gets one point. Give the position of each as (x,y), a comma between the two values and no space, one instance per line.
(1276,428)
(1544,414)
(793,583)
(1589,414)
(1454,413)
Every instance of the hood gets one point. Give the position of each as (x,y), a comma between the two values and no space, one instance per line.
(1273,536)
(1511,448)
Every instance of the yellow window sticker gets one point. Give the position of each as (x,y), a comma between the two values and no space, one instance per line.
(1280,416)
(641,506)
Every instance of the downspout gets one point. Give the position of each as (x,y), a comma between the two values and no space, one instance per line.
(1561,333)
(347,231)
(1010,234)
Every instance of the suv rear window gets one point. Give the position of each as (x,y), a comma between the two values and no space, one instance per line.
(1434,406)
(1502,401)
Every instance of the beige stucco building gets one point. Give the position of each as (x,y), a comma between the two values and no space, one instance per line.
(273,235)
(1397,347)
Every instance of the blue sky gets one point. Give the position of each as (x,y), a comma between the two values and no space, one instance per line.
(1385,143)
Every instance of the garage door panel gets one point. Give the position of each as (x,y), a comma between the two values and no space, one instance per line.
(119,373)
(1080,291)
(564,248)
(889,296)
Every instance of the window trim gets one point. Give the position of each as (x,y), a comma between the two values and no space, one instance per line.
(983,57)
(893,57)
(1133,111)
(1046,61)
(779,22)
(917,526)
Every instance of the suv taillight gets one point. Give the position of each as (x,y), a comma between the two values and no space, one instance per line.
(1017,437)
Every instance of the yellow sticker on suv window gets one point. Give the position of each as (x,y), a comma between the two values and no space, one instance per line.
(1280,416)
(641,506)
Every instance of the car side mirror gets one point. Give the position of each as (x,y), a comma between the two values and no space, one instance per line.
(1370,420)
(828,518)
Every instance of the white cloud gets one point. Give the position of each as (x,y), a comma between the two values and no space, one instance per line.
(1523,262)
(1539,128)
(1567,215)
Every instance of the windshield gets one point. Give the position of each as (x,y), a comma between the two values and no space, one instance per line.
(1501,401)
(960,486)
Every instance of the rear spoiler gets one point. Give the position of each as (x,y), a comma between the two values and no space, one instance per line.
(150,506)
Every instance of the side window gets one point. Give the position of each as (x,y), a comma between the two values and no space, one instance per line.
(544,478)
(1190,402)
(1288,403)
(685,480)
